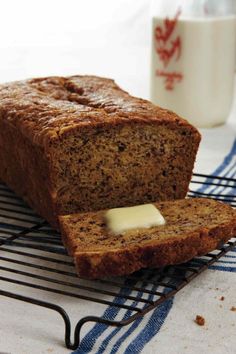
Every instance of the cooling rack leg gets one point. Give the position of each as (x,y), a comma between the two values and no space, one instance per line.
(90,319)
(50,306)
(65,317)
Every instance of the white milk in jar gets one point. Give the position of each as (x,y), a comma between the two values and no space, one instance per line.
(192,69)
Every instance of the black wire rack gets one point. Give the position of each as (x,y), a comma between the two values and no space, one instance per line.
(33,258)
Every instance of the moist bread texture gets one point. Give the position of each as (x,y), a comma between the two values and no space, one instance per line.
(80,143)
(193,227)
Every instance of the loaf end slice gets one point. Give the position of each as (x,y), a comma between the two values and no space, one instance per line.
(193,227)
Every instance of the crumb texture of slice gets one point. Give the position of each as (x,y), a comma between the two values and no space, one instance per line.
(193,227)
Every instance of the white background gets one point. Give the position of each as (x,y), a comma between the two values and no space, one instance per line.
(58,37)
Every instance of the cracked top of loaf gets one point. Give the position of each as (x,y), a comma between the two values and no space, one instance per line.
(45,108)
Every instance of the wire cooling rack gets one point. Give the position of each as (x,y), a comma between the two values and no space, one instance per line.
(33,258)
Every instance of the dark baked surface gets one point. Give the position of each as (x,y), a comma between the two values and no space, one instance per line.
(80,143)
(44,108)
(193,227)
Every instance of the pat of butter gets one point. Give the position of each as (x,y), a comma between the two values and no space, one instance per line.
(120,220)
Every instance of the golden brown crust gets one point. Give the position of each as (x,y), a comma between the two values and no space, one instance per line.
(45,108)
(193,241)
(24,167)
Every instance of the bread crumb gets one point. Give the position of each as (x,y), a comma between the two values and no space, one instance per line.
(222,298)
(199,320)
(233,308)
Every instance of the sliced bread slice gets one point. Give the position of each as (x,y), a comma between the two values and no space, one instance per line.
(193,227)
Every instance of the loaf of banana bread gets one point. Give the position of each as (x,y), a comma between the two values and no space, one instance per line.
(80,143)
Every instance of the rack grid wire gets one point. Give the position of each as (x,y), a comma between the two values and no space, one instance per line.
(32,257)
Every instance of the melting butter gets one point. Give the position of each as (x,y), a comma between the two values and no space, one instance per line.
(120,220)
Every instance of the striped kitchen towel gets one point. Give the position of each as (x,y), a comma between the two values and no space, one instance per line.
(170,328)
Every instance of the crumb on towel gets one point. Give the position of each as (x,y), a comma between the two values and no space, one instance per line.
(199,320)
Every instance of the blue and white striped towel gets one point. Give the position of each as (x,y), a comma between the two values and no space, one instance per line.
(170,328)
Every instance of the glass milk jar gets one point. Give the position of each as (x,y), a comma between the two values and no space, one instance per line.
(193,59)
